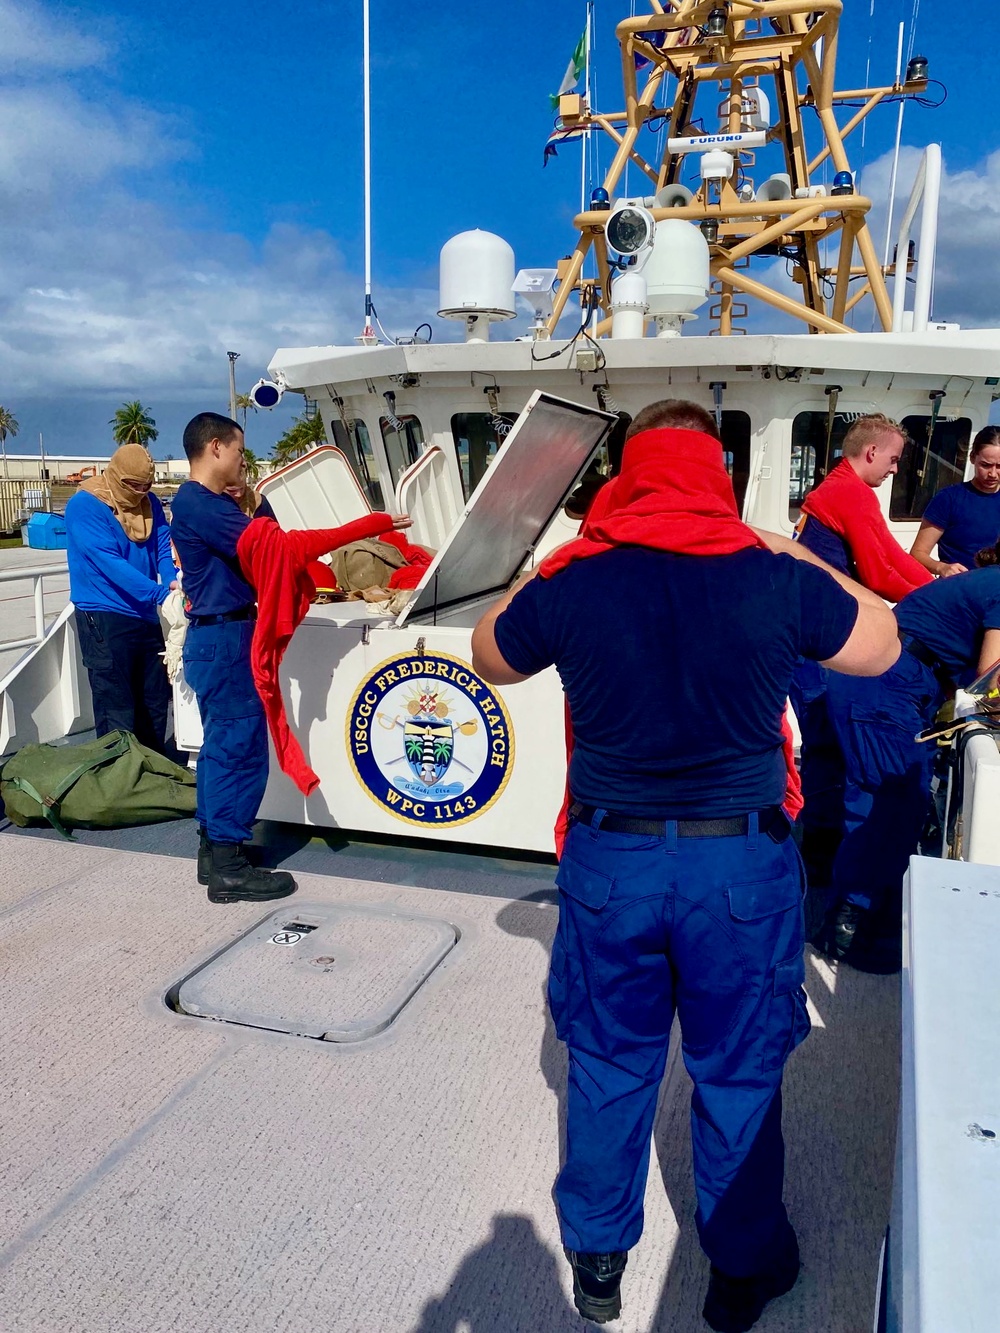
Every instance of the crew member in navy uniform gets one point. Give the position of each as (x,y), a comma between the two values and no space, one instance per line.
(843,524)
(680,888)
(206,525)
(950,631)
(963,519)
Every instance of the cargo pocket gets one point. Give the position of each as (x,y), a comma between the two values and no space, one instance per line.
(583,883)
(199,662)
(765,897)
(789,1023)
(583,892)
(881,744)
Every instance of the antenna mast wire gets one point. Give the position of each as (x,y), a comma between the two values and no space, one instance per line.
(895,154)
(368,330)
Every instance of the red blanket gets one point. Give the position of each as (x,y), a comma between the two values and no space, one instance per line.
(673,494)
(850,508)
(275,563)
(417,560)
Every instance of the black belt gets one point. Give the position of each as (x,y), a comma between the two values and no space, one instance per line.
(771,821)
(928,657)
(224,617)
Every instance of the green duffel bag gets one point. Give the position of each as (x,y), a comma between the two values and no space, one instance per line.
(112,782)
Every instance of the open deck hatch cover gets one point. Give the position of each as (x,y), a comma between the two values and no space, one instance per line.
(548,447)
(335,972)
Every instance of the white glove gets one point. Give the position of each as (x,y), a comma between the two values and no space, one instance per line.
(175,625)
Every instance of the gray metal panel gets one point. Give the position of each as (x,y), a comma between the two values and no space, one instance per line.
(515,502)
(943,1274)
(344,979)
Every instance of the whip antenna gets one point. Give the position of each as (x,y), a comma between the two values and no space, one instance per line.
(368,336)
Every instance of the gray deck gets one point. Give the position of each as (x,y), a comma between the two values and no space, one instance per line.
(163,1173)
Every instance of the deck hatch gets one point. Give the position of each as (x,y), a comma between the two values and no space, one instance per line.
(333,972)
(524,488)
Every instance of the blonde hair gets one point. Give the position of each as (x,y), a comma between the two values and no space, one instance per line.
(866,429)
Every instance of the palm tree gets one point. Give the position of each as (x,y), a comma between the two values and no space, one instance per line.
(8,426)
(133,425)
(253,465)
(303,434)
(243,403)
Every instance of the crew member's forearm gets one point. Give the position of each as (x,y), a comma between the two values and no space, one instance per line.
(785,546)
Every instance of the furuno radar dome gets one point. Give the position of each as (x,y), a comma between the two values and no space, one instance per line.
(476,277)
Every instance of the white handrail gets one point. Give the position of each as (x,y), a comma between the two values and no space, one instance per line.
(926,187)
(36,574)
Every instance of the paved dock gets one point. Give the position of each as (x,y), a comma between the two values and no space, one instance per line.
(169,1174)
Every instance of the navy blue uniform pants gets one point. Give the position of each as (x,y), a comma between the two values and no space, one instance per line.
(709,929)
(821,762)
(889,777)
(233,763)
(128,681)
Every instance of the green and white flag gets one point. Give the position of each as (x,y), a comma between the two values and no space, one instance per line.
(573,70)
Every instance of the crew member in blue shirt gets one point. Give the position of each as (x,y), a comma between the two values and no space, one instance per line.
(206,524)
(680,889)
(950,632)
(120,570)
(961,520)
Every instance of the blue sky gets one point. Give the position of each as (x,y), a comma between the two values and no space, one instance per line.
(177,180)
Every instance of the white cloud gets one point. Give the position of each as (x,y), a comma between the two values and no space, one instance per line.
(54,141)
(33,39)
(127,301)
(968,233)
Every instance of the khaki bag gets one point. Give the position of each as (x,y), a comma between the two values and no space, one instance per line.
(112,782)
(366,564)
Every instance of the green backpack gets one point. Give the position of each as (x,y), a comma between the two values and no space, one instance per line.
(111,782)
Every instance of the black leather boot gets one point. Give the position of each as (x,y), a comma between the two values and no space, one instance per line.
(204,857)
(232,879)
(734,1304)
(597,1280)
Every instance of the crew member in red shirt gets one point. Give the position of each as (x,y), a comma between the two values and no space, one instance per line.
(842,523)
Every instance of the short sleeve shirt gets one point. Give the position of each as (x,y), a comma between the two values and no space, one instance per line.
(676,669)
(951,615)
(969,520)
(205,529)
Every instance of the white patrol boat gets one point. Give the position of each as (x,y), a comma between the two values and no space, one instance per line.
(153,1221)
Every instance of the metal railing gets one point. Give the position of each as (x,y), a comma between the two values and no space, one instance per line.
(926,193)
(36,575)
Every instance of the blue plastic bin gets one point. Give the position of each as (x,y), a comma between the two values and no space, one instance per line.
(47,532)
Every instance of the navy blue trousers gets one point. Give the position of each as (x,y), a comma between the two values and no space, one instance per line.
(233,763)
(821,763)
(128,681)
(709,929)
(889,779)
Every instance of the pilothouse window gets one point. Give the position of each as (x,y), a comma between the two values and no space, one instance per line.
(355,444)
(816,450)
(928,464)
(735,432)
(403,438)
(476,442)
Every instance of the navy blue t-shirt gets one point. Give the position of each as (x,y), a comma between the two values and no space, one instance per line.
(205,528)
(950,616)
(970,520)
(676,669)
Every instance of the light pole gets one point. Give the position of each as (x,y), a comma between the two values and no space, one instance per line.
(233,358)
